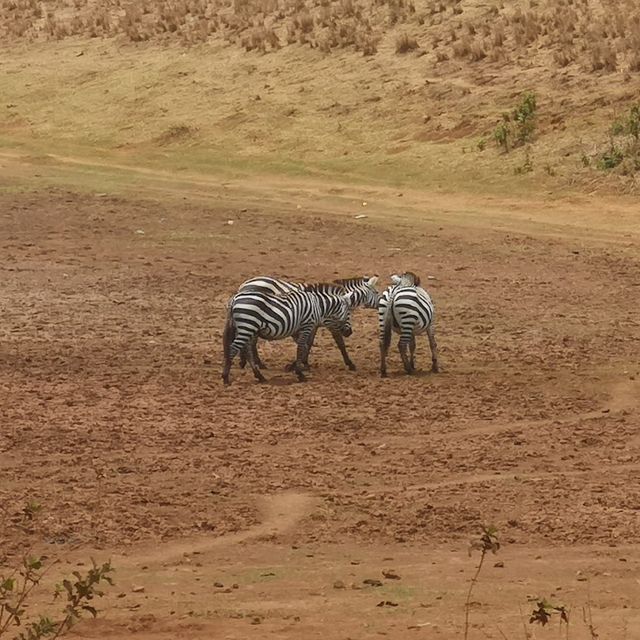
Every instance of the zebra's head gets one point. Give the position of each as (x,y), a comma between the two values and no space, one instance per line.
(339,318)
(364,290)
(408,278)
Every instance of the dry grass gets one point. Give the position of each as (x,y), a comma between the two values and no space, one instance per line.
(601,37)
(405,43)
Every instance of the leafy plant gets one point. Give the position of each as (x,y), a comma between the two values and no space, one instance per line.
(487,542)
(517,128)
(79,593)
(544,611)
(502,134)
(611,158)
(524,116)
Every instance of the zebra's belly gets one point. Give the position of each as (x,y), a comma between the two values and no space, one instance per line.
(416,330)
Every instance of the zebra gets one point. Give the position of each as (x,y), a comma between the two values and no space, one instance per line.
(406,308)
(365,295)
(253,313)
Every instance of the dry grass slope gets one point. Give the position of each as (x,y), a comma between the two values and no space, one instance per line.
(601,35)
(429,78)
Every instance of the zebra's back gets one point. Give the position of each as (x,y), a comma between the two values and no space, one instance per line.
(269,284)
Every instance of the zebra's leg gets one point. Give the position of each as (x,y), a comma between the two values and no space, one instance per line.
(256,355)
(339,340)
(412,352)
(403,343)
(434,349)
(312,339)
(252,362)
(302,340)
(305,364)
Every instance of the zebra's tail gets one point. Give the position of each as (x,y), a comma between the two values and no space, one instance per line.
(229,334)
(387,326)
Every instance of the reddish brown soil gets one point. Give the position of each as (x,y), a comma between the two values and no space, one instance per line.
(114,418)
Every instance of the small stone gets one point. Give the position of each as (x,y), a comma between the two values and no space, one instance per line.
(235,586)
(218,584)
(138,589)
(390,574)
(338,584)
(372,582)
(499,564)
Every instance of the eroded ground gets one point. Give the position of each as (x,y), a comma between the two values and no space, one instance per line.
(114,418)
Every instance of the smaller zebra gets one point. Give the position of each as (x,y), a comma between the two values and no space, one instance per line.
(252,314)
(364,293)
(406,308)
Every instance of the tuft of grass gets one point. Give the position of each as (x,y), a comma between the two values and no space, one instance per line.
(406,43)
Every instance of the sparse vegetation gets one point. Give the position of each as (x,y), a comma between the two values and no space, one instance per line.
(623,147)
(487,542)
(544,611)
(517,128)
(405,43)
(17,587)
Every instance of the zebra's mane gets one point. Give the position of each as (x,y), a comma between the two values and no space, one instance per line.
(347,281)
(323,287)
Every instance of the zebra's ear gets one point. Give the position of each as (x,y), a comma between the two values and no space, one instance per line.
(373,281)
(395,279)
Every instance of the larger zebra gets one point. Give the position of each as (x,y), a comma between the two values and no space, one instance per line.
(364,293)
(252,314)
(406,308)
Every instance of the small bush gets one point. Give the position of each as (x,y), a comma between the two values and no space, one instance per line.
(406,43)
(611,158)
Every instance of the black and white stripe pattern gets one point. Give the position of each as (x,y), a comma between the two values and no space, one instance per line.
(363,290)
(406,308)
(253,313)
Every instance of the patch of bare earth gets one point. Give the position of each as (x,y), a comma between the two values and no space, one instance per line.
(115,420)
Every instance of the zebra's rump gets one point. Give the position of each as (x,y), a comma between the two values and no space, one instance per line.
(409,307)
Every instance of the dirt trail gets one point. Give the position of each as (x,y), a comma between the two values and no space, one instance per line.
(279,514)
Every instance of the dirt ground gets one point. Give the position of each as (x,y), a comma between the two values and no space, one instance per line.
(289,495)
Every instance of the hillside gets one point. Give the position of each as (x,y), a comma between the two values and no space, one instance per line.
(396,92)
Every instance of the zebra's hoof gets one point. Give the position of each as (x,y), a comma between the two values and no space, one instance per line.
(383,374)
(352,367)
(435,369)
(290,367)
